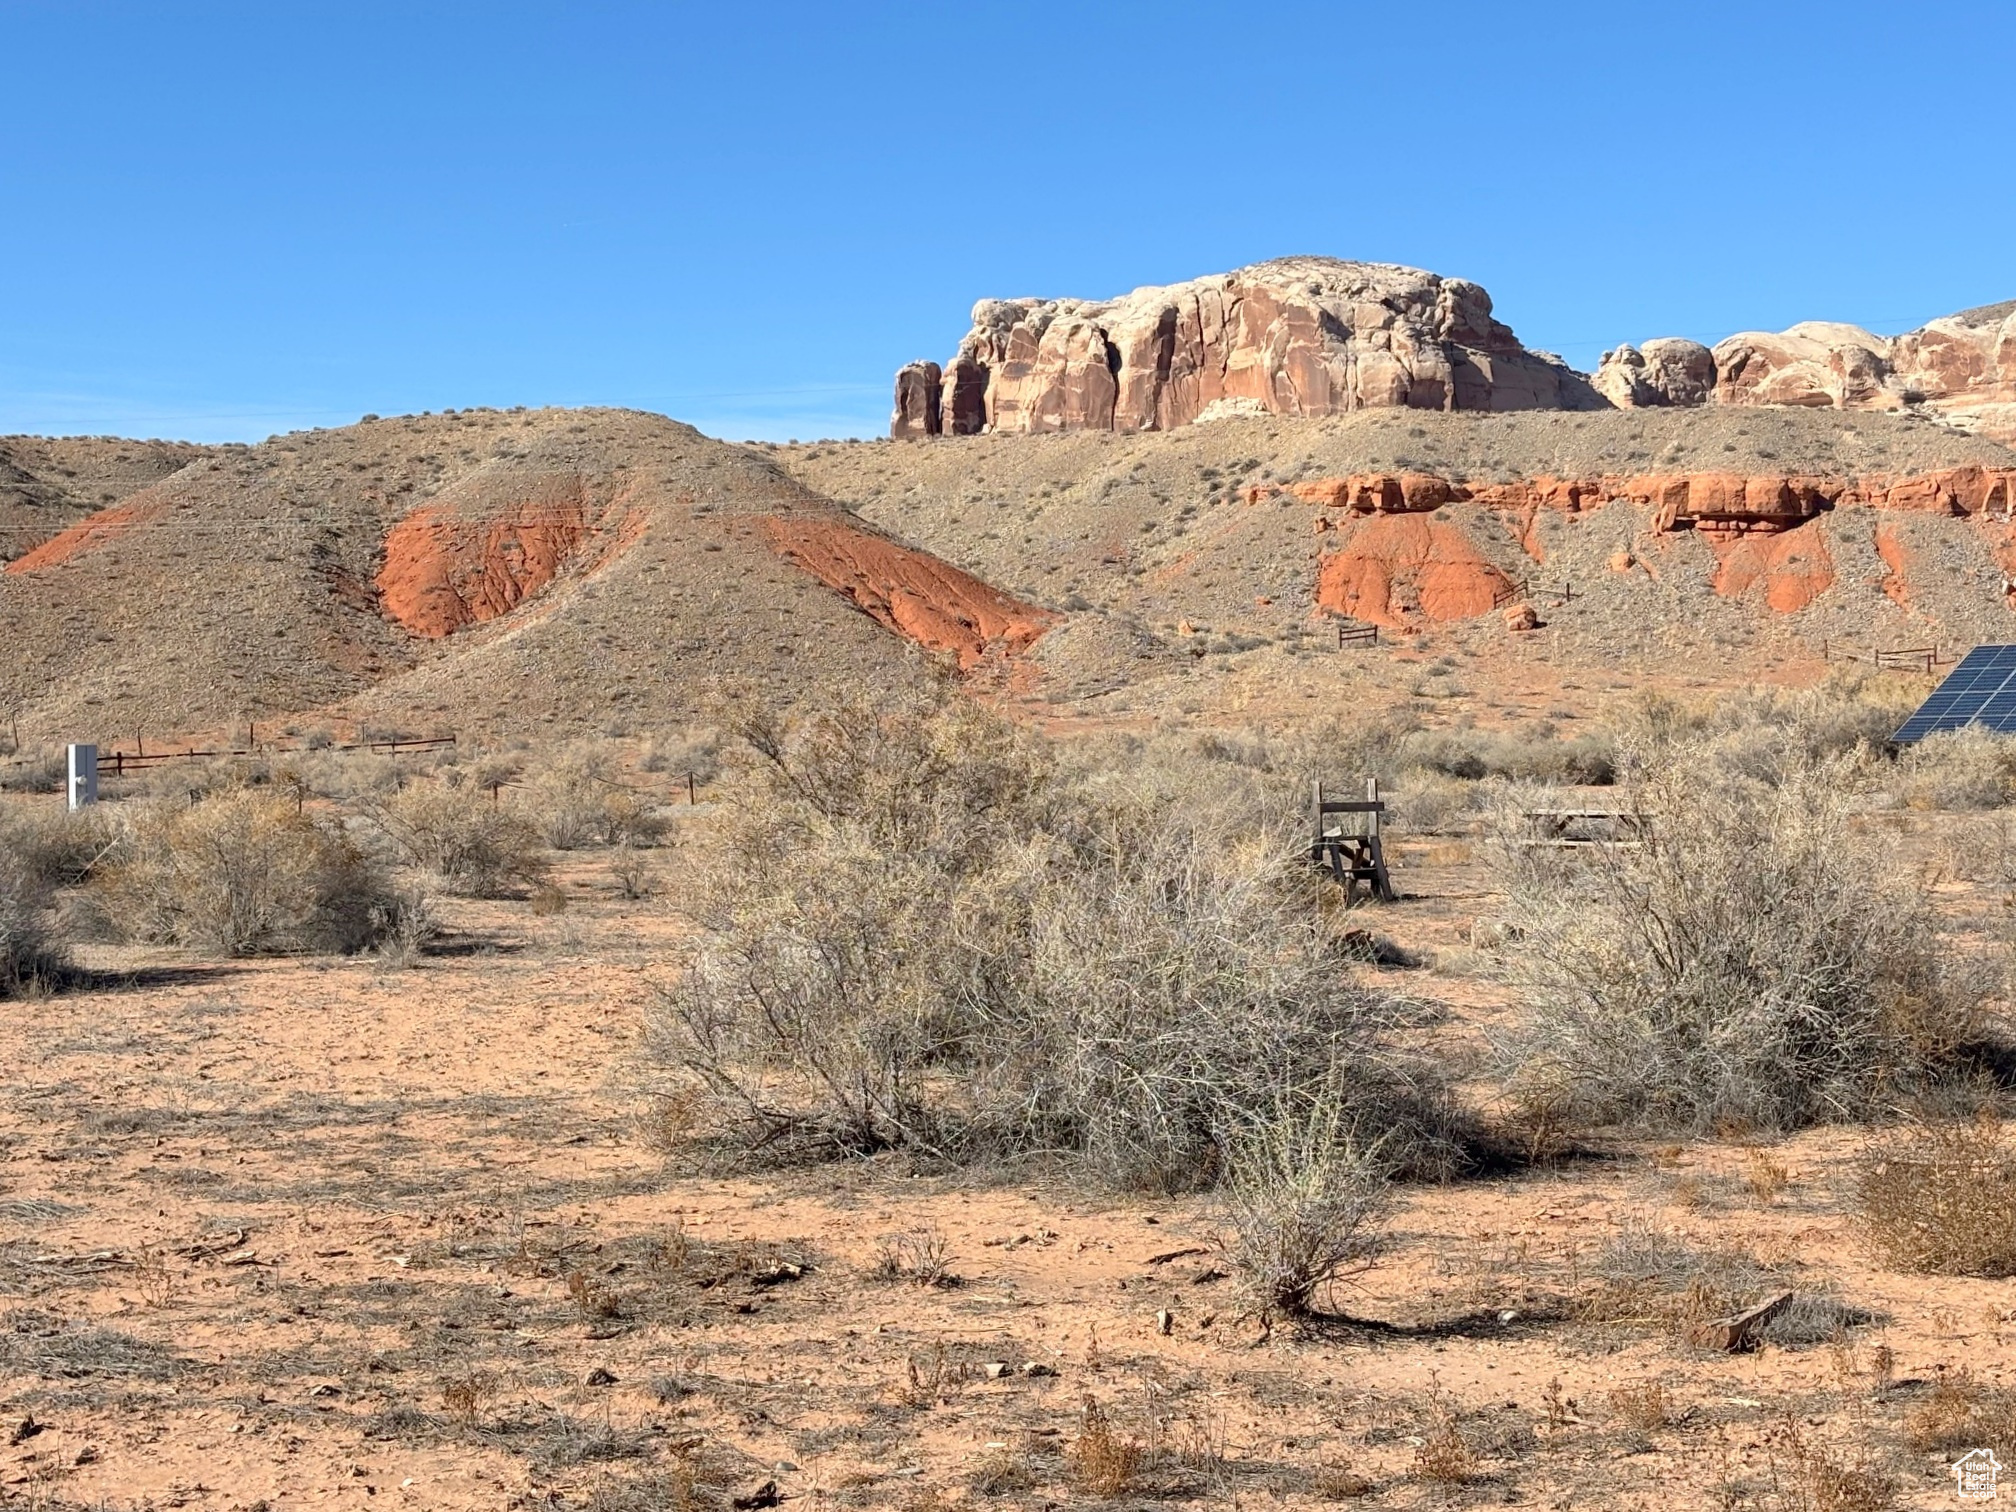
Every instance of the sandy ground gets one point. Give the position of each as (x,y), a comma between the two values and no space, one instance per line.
(293,1234)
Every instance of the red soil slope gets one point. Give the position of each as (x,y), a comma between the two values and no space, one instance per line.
(915,594)
(1790,569)
(87,535)
(1392,569)
(1896,586)
(455,563)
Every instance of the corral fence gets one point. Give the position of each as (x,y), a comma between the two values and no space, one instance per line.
(1356,635)
(119,763)
(1925,659)
(1524,589)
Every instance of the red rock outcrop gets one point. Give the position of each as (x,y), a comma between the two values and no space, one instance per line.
(1719,504)
(1399,569)
(1296,336)
(909,591)
(1896,584)
(1370,493)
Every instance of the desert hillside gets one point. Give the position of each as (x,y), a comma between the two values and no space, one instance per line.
(475,571)
(1232,548)
(564,571)
(48,483)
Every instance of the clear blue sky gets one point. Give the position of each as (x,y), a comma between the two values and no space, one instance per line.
(220,221)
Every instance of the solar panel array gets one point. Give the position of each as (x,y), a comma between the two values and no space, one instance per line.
(1981,690)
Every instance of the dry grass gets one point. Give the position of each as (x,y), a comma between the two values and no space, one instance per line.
(1940,1199)
(1104,1461)
(1764,1178)
(1003,1472)
(1444,1457)
(1812,1472)
(1962,1414)
(1340,1483)
(1643,1408)
(923,1257)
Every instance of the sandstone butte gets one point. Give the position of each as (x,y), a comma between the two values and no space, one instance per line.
(1399,564)
(1319,336)
(1296,336)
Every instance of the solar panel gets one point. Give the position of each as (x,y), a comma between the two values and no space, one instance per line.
(1981,690)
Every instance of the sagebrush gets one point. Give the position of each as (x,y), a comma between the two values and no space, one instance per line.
(1748,959)
(243,873)
(923,928)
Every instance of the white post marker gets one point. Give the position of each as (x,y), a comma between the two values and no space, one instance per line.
(83,776)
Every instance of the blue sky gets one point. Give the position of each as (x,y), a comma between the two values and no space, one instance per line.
(221,221)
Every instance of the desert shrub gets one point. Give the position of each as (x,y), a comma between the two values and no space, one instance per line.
(35,774)
(1763,732)
(581,799)
(475,845)
(1970,768)
(31,947)
(1755,963)
(1940,1199)
(57,847)
(1980,848)
(695,753)
(244,873)
(1476,754)
(1306,1193)
(922,929)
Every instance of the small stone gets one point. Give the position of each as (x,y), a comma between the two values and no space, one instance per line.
(600,1377)
(995,1369)
(1622,561)
(1033,1368)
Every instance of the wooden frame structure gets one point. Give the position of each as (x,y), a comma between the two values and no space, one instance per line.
(1345,841)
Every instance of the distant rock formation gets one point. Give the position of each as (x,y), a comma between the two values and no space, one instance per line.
(1665,371)
(1296,336)
(1318,336)
(1960,368)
